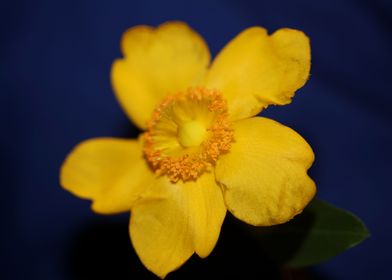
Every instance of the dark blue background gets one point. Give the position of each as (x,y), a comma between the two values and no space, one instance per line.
(55,92)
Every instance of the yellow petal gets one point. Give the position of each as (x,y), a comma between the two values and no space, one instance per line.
(209,210)
(157,62)
(256,70)
(111,172)
(175,220)
(264,175)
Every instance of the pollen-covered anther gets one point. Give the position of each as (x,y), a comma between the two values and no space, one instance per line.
(187,133)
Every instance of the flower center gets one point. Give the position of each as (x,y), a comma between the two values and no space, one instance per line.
(191,133)
(187,133)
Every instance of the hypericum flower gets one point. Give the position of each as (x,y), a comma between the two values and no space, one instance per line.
(202,151)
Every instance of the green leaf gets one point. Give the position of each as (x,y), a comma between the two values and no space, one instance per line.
(319,233)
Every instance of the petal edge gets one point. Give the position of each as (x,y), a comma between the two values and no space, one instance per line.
(173,221)
(111,172)
(264,176)
(255,69)
(157,61)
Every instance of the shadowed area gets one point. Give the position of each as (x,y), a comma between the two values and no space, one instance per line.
(282,242)
(102,250)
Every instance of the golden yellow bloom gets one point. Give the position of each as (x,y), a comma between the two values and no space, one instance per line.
(203,150)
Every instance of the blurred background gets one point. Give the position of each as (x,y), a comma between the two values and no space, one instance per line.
(55,59)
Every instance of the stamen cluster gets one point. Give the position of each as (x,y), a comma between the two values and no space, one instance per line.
(161,144)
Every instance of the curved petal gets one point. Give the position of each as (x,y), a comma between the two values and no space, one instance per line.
(111,172)
(157,62)
(209,210)
(173,221)
(264,175)
(255,70)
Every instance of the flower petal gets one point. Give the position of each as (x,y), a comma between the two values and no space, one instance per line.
(157,62)
(264,175)
(209,210)
(111,172)
(172,221)
(255,70)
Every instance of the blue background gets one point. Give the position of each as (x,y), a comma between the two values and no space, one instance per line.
(55,92)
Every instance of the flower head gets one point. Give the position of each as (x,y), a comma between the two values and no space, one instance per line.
(203,151)
(187,133)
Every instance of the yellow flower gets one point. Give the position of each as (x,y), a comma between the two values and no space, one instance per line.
(203,149)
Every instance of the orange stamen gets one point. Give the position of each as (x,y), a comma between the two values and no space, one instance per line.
(189,164)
